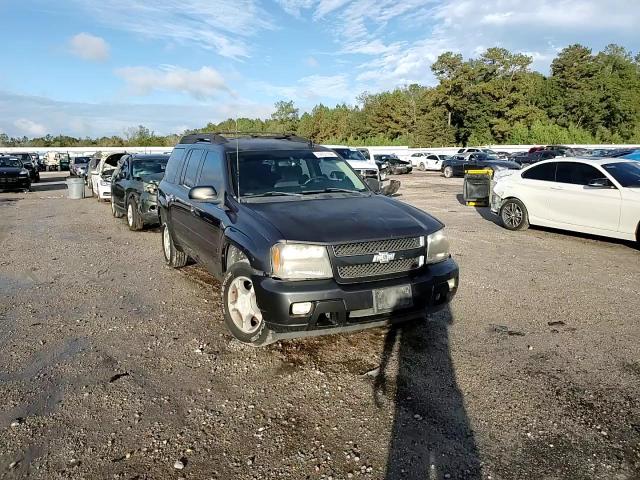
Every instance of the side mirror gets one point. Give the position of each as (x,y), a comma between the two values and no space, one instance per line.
(203,194)
(600,183)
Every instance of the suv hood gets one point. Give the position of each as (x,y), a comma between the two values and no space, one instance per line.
(341,220)
(362,165)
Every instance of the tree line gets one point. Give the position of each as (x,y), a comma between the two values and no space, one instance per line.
(494,99)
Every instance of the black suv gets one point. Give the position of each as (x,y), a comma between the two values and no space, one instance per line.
(27,162)
(301,243)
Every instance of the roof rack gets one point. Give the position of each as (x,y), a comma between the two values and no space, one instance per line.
(203,137)
(223,137)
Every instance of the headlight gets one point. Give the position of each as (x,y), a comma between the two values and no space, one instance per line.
(292,261)
(437,247)
(24,171)
(105,183)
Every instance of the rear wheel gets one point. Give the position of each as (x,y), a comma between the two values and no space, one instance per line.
(514,215)
(422,167)
(448,172)
(134,219)
(241,312)
(172,256)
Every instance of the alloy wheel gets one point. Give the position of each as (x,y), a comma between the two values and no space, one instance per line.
(130,215)
(166,242)
(242,305)
(512,215)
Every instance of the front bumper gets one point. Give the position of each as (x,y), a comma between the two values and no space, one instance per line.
(104,191)
(149,208)
(496,203)
(340,306)
(15,183)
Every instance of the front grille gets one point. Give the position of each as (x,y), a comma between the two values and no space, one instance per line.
(378,269)
(371,248)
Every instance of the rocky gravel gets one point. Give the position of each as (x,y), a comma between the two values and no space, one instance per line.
(113,365)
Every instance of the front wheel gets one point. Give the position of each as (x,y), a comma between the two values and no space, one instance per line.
(448,172)
(241,313)
(422,167)
(172,256)
(134,219)
(514,215)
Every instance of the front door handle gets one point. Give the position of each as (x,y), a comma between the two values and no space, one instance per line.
(557,188)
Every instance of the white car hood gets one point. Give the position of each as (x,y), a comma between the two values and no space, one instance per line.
(362,165)
(503,173)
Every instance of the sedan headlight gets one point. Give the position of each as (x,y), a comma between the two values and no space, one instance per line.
(24,171)
(437,247)
(291,261)
(105,183)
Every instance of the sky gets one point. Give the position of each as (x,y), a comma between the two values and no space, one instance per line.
(98,67)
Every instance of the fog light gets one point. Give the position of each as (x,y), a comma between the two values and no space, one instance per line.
(302,308)
(452,283)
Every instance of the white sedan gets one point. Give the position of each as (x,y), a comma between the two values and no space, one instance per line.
(427,161)
(596,196)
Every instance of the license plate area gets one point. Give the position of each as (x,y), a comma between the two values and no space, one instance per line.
(392,298)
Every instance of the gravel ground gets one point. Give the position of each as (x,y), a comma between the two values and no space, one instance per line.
(115,366)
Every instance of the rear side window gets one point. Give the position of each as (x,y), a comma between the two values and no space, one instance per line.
(546,172)
(192,168)
(577,173)
(211,174)
(174,165)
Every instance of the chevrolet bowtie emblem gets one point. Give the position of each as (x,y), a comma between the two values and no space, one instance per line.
(383,257)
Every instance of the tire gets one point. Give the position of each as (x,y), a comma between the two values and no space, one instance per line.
(134,219)
(172,256)
(514,215)
(114,211)
(242,316)
(422,167)
(448,172)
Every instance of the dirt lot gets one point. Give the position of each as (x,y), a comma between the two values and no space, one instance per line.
(115,366)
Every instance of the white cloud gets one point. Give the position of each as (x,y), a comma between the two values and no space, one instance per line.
(89,47)
(312,62)
(221,25)
(312,89)
(29,128)
(400,40)
(97,119)
(204,83)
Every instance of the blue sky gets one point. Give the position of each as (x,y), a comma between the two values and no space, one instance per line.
(87,67)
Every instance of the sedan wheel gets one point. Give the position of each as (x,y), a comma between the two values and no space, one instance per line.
(448,172)
(514,215)
(422,167)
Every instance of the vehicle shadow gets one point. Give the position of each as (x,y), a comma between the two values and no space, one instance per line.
(431,436)
(484,212)
(47,186)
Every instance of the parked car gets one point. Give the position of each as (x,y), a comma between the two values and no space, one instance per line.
(27,162)
(427,161)
(13,175)
(394,165)
(369,170)
(635,155)
(528,158)
(56,161)
(134,189)
(78,166)
(102,173)
(288,226)
(596,196)
(457,165)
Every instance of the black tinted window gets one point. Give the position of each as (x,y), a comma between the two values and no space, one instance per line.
(577,173)
(546,171)
(211,174)
(174,165)
(191,170)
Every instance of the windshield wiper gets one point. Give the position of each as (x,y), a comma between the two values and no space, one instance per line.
(272,194)
(331,190)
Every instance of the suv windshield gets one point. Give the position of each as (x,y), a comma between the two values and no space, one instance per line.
(293,172)
(10,162)
(152,167)
(350,154)
(626,173)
